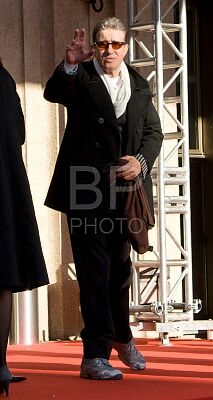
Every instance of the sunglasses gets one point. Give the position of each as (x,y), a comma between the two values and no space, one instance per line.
(103,45)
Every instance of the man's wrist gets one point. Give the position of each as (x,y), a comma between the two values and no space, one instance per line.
(70,68)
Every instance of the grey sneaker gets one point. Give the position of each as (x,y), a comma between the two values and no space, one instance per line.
(129,355)
(98,368)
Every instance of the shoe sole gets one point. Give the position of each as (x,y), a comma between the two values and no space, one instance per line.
(90,376)
(16,379)
(129,365)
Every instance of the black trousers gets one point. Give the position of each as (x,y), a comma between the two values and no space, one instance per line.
(101,254)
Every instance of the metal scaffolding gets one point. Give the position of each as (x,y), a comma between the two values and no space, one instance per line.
(162,280)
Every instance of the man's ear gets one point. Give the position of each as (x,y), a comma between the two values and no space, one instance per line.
(126,48)
(91,53)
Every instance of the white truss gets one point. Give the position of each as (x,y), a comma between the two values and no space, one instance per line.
(158,44)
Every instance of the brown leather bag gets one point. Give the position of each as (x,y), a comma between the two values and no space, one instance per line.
(135,210)
(138,216)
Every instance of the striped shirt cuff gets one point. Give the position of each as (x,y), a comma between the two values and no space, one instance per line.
(69,68)
(142,161)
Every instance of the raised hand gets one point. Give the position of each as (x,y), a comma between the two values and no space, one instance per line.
(76,51)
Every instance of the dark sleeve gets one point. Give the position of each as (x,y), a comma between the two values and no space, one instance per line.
(152,136)
(20,123)
(11,105)
(59,87)
(20,120)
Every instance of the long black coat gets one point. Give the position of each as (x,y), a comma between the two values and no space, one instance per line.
(22,263)
(92,136)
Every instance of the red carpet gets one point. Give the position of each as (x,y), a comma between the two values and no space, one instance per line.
(183,371)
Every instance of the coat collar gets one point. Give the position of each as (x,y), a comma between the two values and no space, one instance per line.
(100,95)
(140,94)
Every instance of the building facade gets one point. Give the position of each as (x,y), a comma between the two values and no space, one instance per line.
(33,38)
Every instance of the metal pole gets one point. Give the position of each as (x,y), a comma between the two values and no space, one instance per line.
(28,317)
(185,123)
(24,325)
(161,187)
(131,39)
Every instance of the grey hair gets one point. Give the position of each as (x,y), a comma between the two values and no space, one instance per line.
(109,23)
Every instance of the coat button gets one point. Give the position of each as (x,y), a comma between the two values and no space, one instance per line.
(138,131)
(101,120)
(97,144)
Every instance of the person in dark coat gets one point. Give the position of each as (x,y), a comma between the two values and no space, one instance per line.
(22,264)
(110,116)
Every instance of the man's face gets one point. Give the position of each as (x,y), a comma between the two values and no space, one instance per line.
(110,59)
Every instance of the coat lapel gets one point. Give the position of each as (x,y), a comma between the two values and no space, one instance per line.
(100,96)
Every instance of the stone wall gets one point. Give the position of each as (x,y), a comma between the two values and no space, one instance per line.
(33,38)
